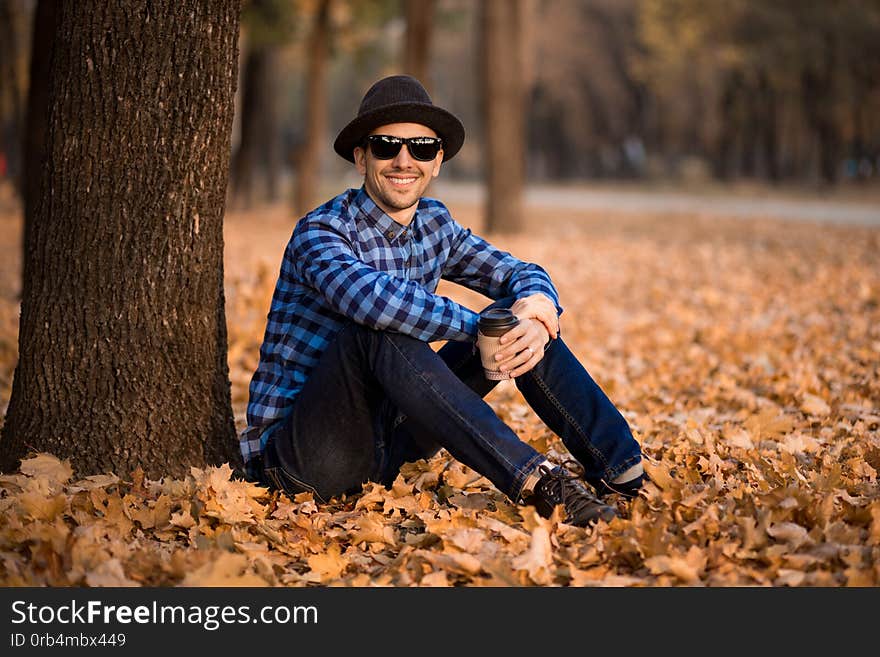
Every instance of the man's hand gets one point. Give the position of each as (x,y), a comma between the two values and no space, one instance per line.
(540,307)
(522,347)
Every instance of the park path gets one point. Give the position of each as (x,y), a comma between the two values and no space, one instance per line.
(631,200)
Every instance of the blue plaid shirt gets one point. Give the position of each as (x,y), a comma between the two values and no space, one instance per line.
(349,261)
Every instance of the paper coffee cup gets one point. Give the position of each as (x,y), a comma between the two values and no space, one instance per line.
(492,325)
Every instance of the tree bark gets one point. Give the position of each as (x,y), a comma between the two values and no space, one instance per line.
(417,40)
(308,158)
(503,103)
(122,341)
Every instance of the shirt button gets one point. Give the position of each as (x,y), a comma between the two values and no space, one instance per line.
(390,234)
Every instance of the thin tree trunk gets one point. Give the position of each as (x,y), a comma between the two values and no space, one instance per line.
(728,125)
(257,162)
(818,99)
(751,129)
(271,134)
(122,341)
(503,103)
(417,40)
(308,159)
(769,137)
(37,107)
(816,108)
(12,43)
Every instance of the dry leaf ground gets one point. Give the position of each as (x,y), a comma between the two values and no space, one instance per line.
(744,353)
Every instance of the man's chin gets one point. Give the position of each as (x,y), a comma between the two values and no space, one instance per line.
(401,202)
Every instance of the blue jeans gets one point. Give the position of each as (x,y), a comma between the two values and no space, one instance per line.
(378,399)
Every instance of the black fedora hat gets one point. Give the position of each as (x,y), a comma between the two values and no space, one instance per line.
(399,99)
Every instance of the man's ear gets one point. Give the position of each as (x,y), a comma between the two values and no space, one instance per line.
(360,160)
(437,162)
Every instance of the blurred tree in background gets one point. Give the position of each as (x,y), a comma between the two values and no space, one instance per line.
(307,159)
(589,114)
(14,54)
(783,89)
(267,26)
(417,41)
(37,123)
(502,25)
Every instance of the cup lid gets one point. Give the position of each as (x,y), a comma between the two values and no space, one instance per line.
(498,317)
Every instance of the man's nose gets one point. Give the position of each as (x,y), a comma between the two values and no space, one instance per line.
(403,159)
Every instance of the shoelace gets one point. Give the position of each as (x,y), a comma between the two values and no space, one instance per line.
(556,487)
(577,469)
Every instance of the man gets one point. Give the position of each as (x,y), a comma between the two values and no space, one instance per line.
(348,388)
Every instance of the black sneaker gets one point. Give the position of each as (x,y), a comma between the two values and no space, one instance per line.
(559,486)
(629,490)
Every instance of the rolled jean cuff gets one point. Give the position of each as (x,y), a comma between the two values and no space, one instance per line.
(612,473)
(522,473)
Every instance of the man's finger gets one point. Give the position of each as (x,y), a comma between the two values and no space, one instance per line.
(518,362)
(552,328)
(514,333)
(534,357)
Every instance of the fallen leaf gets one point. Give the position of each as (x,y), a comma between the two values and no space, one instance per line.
(659,474)
(687,568)
(227,569)
(94,481)
(769,423)
(328,565)
(435,579)
(789,532)
(473,501)
(456,562)
(182,519)
(466,539)
(56,471)
(372,529)
(788,577)
(738,437)
(39,507)
(109,573)
(874,535)
(813,405)
(538,559)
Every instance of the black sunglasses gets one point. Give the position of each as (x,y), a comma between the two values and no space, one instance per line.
(386,147)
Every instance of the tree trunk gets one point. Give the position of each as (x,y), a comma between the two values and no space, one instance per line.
(751,129)
(257,160)
(417,40)
(817,89)
(503,104)
(122,341)
(13,27)
(308,159)
(37,107)
(815,94)
(728,125)
(767,102)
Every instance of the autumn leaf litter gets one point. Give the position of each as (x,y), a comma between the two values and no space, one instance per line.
(744,355)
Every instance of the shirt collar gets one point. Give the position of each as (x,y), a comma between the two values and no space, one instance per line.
(377,216)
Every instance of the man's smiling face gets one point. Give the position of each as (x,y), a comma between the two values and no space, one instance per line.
(396,185)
